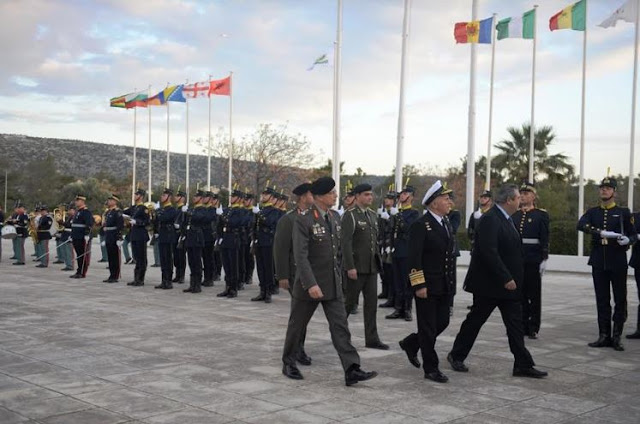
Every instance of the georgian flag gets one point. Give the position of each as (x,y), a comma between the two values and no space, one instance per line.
(626,12)
(198,89)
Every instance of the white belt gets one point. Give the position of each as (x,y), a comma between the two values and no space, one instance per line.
(78,225)
(530,241)
(67,230)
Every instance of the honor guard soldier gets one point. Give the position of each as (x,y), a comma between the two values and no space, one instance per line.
(179,255)
(230,226)
(361,261)
(266,220)
(66,247)
(403,217)
(249,261)
(285,266)
(533,225)
(58,221)
(485,203)
(243,240)
(34,220)
(217,259)
(385,235)
(316,248)
(611,233)
(101,237)
(112,226)
(348,199)
(432,258)
(635,264)
(192,236)
(81,226)
(139,235)
(165,219)
(44,235)
(209,240)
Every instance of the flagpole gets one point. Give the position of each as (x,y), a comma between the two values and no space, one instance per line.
(633,111)
(133,176)
(187,130)
(471,137)
(487,184)
(336,100)
(168,148)
(403,66)
(582,115)
(230,135)
(149,159)
(209,141)
(532,131)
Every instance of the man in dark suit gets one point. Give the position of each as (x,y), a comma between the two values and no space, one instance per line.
(316,248)
(494,278)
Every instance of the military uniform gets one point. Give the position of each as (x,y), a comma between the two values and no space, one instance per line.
(21,221)
(209,243)
(179,254)
(608,262)
(635,264)
(139,236)
(112,227)
(196,219)
(266,221)
(66,248)
(44,235)
(229,228)
(81,227)
(475,216)
(249,260)
(164,223)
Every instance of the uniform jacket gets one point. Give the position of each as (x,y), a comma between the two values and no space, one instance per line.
(316,251)
(455,219)
(401,223)
(385,238)
(360,241)
(266,222)
(44,227)
(607,254)
(230,227)
(139,230)
(195,219)
(66,233)
(113,225)
(533,227)
(165,218)
(285,266)
(496,259)
(432,255)
(81,224)
(635,253)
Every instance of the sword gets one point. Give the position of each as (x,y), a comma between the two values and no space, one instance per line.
(42,256)
(88,250)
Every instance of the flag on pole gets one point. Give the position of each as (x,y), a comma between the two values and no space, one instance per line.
(322,60)
(220,87)
(174,94)
(117,101)
(138,99)
(473,32)
(157,100)
(518,26)
(571,17)
(626,12)
(198,89)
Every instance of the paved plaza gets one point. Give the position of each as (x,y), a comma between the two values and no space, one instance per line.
(84,352)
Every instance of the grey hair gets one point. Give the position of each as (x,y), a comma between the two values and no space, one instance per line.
(505,193)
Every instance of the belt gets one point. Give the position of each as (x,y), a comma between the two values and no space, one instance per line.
(43,231)
(110,228)
(78,225)
(67,230)
(530,241)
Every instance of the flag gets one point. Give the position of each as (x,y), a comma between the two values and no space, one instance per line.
(173,94)
(474,31)
(517,27)
(571,17)
(626,12)
(117,101)
(322,60)
(156,100)
(138,99)
(199,89)
(220,87)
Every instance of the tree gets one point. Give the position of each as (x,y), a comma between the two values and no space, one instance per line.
(513,160)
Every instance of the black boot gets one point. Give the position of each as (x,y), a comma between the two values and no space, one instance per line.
(604,340)
(192,281)
(636,335)
(259,298)
(408,316)
(225,293)
(207,283)
(161,285)
(615,340)
(135,279)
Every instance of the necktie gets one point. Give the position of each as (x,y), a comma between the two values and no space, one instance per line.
(513,225)
(445,224)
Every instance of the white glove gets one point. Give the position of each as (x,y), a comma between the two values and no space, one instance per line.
(86,238)
(176,226)
(477,214)
(543,267)
(156,235)
(384,215)
(125,216)
(638,236)
(133,221)
(394,211)
(255,210)
(156,206)
(219,210)
(379,211)
(341,211)
(387,250)
(219,242)
(185,208)
(623,241)
(424,212)
(103,244)
(119,243)
(609,234)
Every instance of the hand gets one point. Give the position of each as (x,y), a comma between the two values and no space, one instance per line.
(133,221)
(421,293)
(385,215)
(185,208)
(284,284)
(352,274)
(387,250)
(394,211)
(86,238)
(609,234)
(379,211)
(511,285)
(623,241)
(315,292)
(119,243)
(103,244)
(543,267)
(176,226)
(638,236)
(156,235)
(255,210)
(156,205)
(219,210)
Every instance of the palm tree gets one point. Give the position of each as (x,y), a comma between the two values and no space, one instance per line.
(513,160)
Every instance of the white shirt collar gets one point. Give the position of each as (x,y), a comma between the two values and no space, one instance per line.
(506,215)
(436,216)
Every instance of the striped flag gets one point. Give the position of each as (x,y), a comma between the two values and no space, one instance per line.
(138,99)
(198,89)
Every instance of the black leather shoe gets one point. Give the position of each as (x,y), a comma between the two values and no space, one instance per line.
(635,335)
(67,268)
(529,372)
(139,284)
(292,372)
(436,376)
(189,290)
(378,345)
(41,266)
(408,316)
(225,293)
(411,356)
(57,262)
(387,304)
(108,280)
(102,260)
(160,286)
(354,310)
(259,298)
(395,315)
(112,280)
(616,344)
(458,366)
(382,296)
(603,341)
(533,335)
(167,286)
(175,280)
(267,298)
(132,283)
(18,263)
(75,276)
(355,375)
(196,290)
(303,358)
(232,294)
(207,283)
(155,266)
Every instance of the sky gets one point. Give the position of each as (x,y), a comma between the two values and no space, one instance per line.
(64,59)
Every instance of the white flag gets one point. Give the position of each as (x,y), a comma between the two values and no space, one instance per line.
(199,89)
(626,12)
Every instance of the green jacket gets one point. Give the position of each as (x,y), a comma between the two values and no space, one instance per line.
(360,241)
(285,266)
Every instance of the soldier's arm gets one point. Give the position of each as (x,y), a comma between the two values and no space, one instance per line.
(544,235)
(585,225)
(417,234)
(282,241)
(304,273)
(629,228)
(471,227)
(348,228)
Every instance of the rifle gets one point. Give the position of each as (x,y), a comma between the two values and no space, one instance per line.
(184,227)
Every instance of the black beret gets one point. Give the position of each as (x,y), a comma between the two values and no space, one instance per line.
(361,188)
(302,189)
(322,185)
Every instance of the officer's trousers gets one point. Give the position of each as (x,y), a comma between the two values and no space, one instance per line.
(156,253)
(113,256)
(531,298)
(207,261)
(65,253)
(603,282)
(44,252)
(217,263)
(403,292)
(249,263)
(125,250)
(242,264)
(165,251)
(368,285)
(230,265)
(83,255)
(139,251)
(388,287)
(194,255)
(103,249)
(179,261)
(264,263)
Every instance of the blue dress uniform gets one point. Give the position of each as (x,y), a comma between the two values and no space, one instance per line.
(249,262)
(44,235)
(81,226)
(164,223)
(265,229)
(243,244)
(179,254)
(208,264)
(112,227)
(533,226)
(231,222)
(139,236)
(385,236)
(635,264)
(195,220)
(608,262)
(402,221)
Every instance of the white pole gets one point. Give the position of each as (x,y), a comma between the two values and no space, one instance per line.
(133,176)
(487,183)
(471,136)
(633,111)
(403,66)
(187,130)
(336,100)
(230,135)
(582,114)
(532,131)
(149,159)
(6,186)
(209,143)
(168,147)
